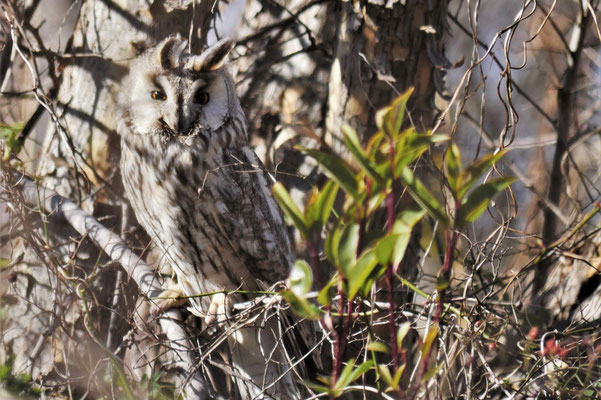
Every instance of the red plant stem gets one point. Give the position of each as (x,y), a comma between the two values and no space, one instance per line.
(451,241)
(389,269)
(314,257)
(391,321)
(339,338)
(390,205)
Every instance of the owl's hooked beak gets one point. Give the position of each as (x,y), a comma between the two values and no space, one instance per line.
(170,124)
(176,123)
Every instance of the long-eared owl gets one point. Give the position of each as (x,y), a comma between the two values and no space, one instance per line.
(193,180)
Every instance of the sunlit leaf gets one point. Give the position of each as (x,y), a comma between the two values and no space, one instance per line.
(300,280)
(476,170)
(301,305)
(338,170)
(423,197)
(402,332)
(392,382)
(403,226)
(378,346)
(374,201)
(347,248)
(385,374)
(352,143)
(349,373)
(373,144)
(397,376)
(386,246)
(477,201)
(319,388)
(429,340)
(320,205)
(290,209)
(332,241)
(357,275)
(413,146)
(390,118)
(453,165)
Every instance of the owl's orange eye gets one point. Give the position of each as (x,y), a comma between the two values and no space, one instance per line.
(201,98)
(158,95)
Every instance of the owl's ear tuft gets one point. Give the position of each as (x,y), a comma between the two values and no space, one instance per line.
(212,58)
(170,51)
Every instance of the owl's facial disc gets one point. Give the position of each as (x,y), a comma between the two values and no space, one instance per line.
(179,103)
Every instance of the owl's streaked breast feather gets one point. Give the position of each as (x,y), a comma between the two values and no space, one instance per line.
(212,198)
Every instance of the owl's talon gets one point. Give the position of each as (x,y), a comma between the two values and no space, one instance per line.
(171,298)
(219,310)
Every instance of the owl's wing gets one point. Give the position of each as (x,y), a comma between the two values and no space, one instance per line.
(249,216)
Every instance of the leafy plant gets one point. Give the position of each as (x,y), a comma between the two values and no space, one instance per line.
(353,256)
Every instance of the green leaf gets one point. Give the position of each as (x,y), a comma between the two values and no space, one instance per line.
(402,332)
(290,209)
(374,201)
(301,305)
(477,201)
(423,197)
(347,248)
(300,279)
(429,340)
(412,147)
(324,297)
(358,274)
(397,376)
(300,282)
(373,144)
(349,374)
(360,370)
(378,346)
(475,170)
(385,375)
(332,242)
(392,382)
(453,166)
(5,371)
(338,170)
(385,247)
(320,205)
(317,387)
(352,143)
(390,118)
(391,249)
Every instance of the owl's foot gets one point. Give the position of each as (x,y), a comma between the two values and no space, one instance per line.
(172,297)
(219,310)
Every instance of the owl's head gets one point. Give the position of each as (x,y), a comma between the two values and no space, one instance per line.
(173,94)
